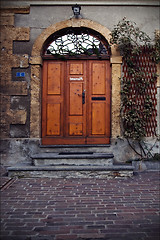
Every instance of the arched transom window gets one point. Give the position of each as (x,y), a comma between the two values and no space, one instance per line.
(76,42)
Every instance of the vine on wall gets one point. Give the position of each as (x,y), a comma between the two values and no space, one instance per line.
(138,106)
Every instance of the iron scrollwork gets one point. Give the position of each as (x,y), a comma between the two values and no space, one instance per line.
(74,43)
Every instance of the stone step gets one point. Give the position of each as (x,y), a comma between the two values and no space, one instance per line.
(72,171)
(72,158)
(74,148)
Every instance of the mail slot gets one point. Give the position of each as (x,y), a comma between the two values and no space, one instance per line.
(98,98)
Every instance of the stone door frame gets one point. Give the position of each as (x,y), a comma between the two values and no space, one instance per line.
(36,67)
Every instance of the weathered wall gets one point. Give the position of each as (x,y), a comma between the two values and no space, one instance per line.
(14,91)
(147,18)
(15,100)
(20,27)
(40,17)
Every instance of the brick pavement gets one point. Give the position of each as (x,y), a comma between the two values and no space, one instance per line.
(78,209)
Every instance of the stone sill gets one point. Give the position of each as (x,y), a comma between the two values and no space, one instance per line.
(140,165)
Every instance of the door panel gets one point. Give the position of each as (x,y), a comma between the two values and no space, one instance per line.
(76,98)
(54,78)
(76,110)
(76,102)
(98,78)
(99,102)
(52,100)
(75,68)
(98,118)
(75,129)
(53,120)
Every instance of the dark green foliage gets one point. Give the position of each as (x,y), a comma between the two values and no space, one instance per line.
(132,44)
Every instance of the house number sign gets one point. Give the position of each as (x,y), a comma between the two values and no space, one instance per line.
(76,78)
(20,74)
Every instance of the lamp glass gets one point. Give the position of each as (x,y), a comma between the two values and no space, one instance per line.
(76,9)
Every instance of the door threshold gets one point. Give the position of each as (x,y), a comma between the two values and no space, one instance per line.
(74,146)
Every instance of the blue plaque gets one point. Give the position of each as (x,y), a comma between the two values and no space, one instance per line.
(20,74)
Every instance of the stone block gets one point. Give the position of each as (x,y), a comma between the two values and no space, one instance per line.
(4,102)
(116,59)
(7,8)
(4,130)
(35,101)
(35,122)
(7,19)
(20,61)
(6,43)
(35,83)
(146,165)
(15,150)
(19,102)
(11,33)
(35,60)
(21,47)
(116,73)
(14,61)
(21,34)
(19,131)
(16,88)
(70,172)
(18,117)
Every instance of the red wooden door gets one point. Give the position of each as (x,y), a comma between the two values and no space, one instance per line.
(76,102)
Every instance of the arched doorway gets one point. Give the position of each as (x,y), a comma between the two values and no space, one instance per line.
(76,92)
(36,63)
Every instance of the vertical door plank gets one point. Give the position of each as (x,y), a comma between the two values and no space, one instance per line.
(76,99)
(76,110)
(53,119)
(98,78)
(54,78)
(52,101)
(98,118)
(99,101)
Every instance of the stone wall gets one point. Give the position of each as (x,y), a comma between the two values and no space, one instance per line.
(21,29)
(15,97)
(14,90)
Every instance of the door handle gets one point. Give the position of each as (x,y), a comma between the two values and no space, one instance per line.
(83,97)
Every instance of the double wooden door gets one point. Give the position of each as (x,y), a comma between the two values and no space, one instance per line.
(76,102)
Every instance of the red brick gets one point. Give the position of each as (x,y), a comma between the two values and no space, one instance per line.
(66,237)
(91,207)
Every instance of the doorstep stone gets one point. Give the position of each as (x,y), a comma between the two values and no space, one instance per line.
(117,171)
(72,158)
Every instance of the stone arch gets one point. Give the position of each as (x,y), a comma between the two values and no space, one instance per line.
(36,64)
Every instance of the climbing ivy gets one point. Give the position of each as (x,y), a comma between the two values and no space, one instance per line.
(132,43)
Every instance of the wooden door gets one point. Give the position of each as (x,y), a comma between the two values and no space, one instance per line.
(76,102)
(99,107)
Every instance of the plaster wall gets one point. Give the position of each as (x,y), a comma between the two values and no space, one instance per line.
(41,17)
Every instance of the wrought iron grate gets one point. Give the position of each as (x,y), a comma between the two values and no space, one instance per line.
(75,42)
